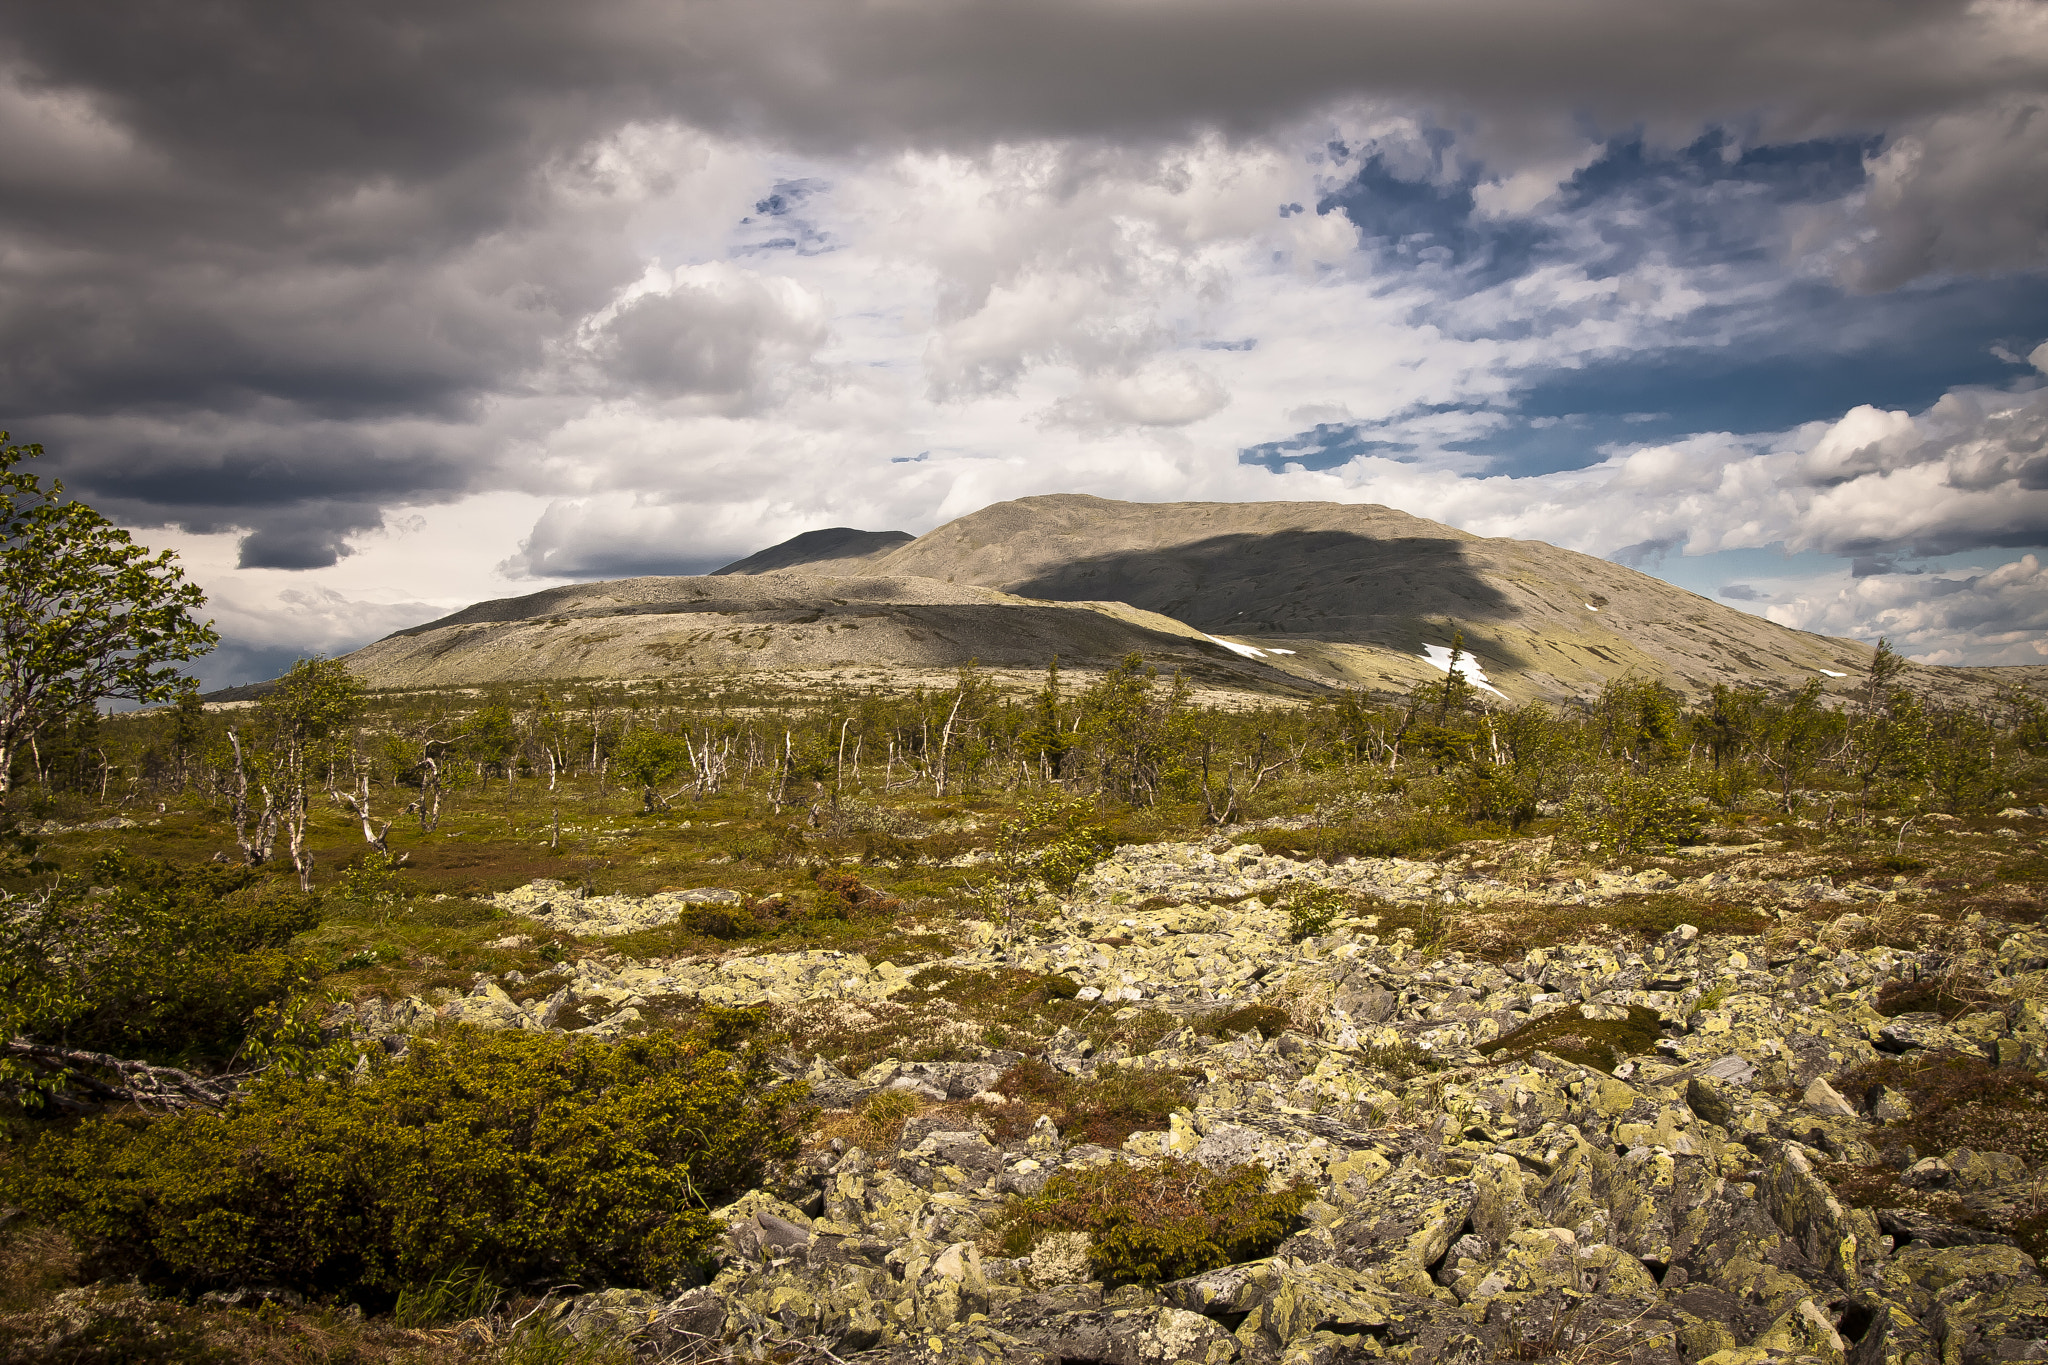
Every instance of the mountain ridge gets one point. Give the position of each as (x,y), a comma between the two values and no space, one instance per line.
(1298,596)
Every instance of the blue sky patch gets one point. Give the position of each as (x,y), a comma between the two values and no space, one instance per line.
(1326,446)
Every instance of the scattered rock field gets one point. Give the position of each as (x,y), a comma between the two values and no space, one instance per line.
(1700,1147)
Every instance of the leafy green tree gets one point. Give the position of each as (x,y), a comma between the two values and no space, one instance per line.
(548,722)
(1890,755)
(1882,676)
(1642,722)
(1628,811)
(650,758)
(1048,847)
(1963,769)
(1126,723)
(85,613)
(490,738)
(1794,735)
(1046,741)
(1522,757)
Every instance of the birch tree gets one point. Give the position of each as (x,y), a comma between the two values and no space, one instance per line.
(86,614)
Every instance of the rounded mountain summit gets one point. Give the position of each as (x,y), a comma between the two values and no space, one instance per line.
(1270,596)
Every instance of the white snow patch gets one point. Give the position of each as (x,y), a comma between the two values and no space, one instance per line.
(1589,606)
(1245,650)
(1832,674)
(1280,651)
(1468,667)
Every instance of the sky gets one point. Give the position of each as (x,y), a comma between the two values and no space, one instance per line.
(371,311)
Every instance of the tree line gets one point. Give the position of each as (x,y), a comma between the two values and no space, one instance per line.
(1129,737)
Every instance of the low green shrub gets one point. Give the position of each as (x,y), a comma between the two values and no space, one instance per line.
(1401,1061)
(1656,914)
(1617,814)
(455,913)
(1400,833)
(1311,910)
(841,895)
(1152,1223)
(512,1157)
(879,848)
(724,922)
(154,961)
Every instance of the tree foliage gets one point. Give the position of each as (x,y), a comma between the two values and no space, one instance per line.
(86,614)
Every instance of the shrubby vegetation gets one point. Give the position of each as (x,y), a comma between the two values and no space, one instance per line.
(1162,1222)
(150,960)
(515,1158)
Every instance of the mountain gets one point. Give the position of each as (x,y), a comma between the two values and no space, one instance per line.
(841,550)
(1359,593)
(1295,596)
(789,621)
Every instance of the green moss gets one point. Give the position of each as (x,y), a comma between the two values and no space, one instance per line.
(1598,1043)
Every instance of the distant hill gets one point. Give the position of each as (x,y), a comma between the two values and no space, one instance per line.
(839,550)
(1360,592)
(1303,595)
(789,620)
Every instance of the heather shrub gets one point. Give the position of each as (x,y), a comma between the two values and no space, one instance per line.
(1104,1108)
(1151,1223)
(512,1158)
(1268,1021)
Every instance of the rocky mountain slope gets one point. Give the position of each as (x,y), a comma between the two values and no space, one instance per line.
(1299,597)
(839,551)
(788,620)
(1358,591)
(1795,1146)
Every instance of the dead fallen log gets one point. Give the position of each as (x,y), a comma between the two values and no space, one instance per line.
(135,1082)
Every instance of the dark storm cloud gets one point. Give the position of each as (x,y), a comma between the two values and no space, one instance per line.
(301,486)
(302,95)
(289,216)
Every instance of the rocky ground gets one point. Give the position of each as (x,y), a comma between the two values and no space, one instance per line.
(1793,1145)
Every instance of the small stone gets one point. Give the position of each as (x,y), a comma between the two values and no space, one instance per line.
(1824,1097)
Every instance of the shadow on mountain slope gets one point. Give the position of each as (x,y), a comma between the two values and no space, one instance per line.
(1334,585)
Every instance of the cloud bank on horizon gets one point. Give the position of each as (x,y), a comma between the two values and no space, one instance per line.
(372,311)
